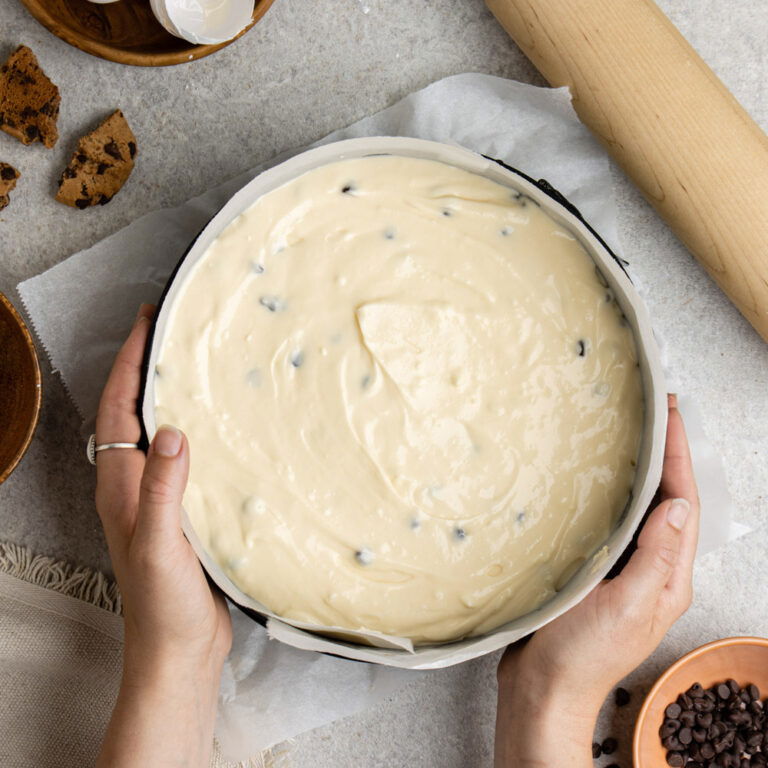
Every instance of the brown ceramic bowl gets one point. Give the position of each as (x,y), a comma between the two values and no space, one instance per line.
(20,392)
(126,32)
(745,659)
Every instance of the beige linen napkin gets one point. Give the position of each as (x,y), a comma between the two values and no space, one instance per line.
(61,642)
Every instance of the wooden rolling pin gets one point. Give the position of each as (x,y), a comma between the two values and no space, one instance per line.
(668,121)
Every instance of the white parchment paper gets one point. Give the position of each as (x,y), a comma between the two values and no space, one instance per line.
(82,309)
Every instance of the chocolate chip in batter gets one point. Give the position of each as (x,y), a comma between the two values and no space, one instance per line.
(459,534)
(415,524)
(364,556)
(506,231)
(365,382)
(389,233)
(520,516)
(297,359)
(257,268)
(447,213)
(272,303)
(582,345)
(347,188)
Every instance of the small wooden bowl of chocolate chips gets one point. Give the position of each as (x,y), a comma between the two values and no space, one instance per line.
(708,709)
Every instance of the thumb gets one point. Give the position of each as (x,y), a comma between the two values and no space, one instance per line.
(658,548)
(162,484)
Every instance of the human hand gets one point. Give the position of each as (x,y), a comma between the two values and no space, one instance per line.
(177,628)
(570,665)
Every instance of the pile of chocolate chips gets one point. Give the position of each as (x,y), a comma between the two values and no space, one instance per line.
(723,726)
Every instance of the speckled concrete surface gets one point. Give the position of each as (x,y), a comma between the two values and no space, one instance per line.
(306,69)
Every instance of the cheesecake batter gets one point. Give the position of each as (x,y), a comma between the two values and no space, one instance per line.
(413,405)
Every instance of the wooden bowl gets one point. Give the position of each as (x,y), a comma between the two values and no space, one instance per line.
(20,389)
(745,659)
(125,31)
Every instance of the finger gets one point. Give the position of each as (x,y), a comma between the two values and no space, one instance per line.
(118,471)
(658,552)
(162,487)
(677,478)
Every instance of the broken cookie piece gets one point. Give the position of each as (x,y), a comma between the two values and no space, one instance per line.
(100,166)
(8,177)
(29,101)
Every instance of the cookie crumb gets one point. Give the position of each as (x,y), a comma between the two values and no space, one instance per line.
(100,166)
(29,101)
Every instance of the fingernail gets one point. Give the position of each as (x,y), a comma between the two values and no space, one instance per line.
(141,314)
(167,441)
(672,400)
(677,513)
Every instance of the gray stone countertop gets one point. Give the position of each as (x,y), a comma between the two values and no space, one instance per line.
(304,70)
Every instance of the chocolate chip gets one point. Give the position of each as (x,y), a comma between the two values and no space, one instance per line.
(672,743)
(113,150)
(609,745)
(581,347)
(685,736)
(132,149)
(7,173)
(622,697)
(104,199)
(101,168)
(673,711)
(695,691)
(83,202)
(364,556)
(257,268)
(668,728)
(688,718)
(723,691)
(81,158)
(347,188)
(447,213)
(32,132)
(707,751)
(460,534)
(685,701)
(675,759)
(69,173)
(272,303)
(597,750)
(612,765)
(754,692)
(297,359)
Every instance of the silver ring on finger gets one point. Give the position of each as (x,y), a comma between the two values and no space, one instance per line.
(92,449)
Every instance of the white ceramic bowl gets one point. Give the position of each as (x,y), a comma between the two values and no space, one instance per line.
(651,451)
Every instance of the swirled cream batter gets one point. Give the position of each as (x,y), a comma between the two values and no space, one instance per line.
(412,404)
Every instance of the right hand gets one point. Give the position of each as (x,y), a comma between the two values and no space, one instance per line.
(576,659)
